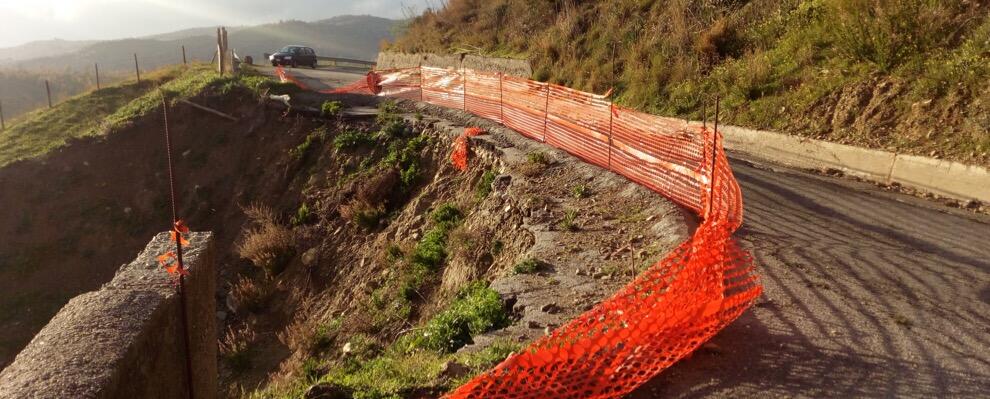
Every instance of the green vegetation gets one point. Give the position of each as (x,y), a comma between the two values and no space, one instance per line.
(905,75)
(352,139)
(580,191)
(484,187)
(538,158)
(104,111)
(331,109)
(303,148)
(416,360)
(302,216)
(568,223)
(527,266)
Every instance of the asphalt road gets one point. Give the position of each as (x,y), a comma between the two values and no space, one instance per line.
(320,78)
(867,293)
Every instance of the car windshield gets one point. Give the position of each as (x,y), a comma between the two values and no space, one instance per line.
(286,49)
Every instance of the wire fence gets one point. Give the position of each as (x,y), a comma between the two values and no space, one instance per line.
(666,312)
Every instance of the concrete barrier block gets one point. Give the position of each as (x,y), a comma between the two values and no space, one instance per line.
(125,340)
(809,153)
(948,178)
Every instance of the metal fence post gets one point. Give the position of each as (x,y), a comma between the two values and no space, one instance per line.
(137,70)
(501,108)
(711,192)
(48,90)
(546,113)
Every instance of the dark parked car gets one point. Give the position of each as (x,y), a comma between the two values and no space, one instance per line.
(294,56)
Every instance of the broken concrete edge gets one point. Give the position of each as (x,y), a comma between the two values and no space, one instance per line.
(125,339)
(508,66)
(945,178)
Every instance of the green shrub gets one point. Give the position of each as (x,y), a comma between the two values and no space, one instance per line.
(484,187)
(527,266)
(447,215)
(351,139)
(568,223)
(580,191)
(302,216)
(331,109)
(477,309)
(538,158)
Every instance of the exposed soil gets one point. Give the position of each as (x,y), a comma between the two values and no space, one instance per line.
(342,266)
(72,217)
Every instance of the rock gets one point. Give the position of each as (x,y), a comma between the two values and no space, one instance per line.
(326,390)
(712,347)
(221,315)
(310,257)
(518,308)
(550,308)
(534,325)
(972,204)
(454,370)
(580,272)
(347,348)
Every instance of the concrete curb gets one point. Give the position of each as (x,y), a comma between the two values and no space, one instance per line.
(946,178)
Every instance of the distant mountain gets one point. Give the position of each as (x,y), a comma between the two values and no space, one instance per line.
(41,48)
(344,36)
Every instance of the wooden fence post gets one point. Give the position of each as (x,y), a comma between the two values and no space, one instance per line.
(137,70)
(3,124)
(184,62)
(97,66)
(48,89)
(219,52)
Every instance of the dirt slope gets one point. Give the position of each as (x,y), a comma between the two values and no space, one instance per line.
(72,217)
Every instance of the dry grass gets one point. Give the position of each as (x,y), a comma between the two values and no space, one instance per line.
(268,244)
(248,295)
(235,346)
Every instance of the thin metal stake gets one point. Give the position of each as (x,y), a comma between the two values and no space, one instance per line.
(178,249)
(136,69)
(546,114)
(501,109)
(711,193)
(184,62)
(48,89)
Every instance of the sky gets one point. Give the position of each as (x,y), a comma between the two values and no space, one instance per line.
(23,21)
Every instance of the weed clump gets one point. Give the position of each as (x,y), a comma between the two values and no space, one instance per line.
(476,310)
(568,223)
(527,266)
(268,244)
(303,215)
(331,109)
(484,187)
(351,139)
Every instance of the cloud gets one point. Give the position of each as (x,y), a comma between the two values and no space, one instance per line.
(111,19)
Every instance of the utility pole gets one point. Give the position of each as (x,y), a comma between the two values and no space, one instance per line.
(48,89)
(97,66)
(137,70)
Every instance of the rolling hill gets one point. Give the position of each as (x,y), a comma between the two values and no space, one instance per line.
(69,64)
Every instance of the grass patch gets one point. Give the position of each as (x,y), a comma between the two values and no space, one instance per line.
(352,139)
(303,215)
(484,187)
(580,191)
(331,109)
(569,222)
(527,266)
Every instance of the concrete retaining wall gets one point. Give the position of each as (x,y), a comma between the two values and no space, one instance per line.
(387,60)
(946,178)
(124,340)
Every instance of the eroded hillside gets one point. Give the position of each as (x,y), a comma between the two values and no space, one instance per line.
(907,76)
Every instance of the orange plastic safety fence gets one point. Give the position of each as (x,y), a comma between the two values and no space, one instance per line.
(665,313)
(459,156)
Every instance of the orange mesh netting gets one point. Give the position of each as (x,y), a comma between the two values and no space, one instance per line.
(459,156)
(669,310)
